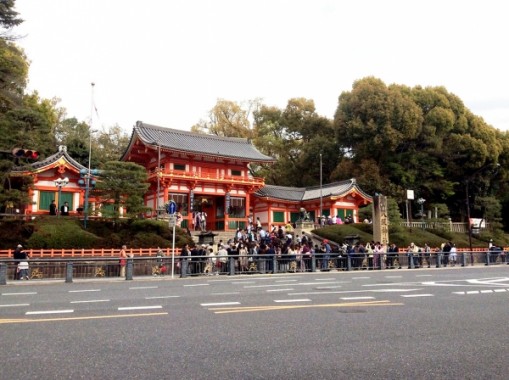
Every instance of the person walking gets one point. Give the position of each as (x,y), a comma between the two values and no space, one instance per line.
(53,208)
(21,260)
(123,260)
(18,256)
(64,210)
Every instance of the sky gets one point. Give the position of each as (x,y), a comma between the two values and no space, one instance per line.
(167,62)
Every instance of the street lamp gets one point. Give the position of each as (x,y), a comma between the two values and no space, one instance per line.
(87,175)
(158,173)
(321,195)
(60,182)
(89,172)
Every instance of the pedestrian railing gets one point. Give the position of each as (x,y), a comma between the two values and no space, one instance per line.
(69,269)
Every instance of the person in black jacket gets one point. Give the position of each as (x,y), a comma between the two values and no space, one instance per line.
(19,255)
(53,208)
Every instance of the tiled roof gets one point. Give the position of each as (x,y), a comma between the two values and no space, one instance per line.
(62,152)
(184,141)
(309,193)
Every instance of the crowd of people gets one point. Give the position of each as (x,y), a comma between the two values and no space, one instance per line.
(257,250)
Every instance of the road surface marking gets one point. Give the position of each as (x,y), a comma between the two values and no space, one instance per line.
(424,275)
(142,287)
(225,294)
(355,291)
(264,286)
(19,294)
(220,304)
(247,309)
(279,290)
(12,321)
(243,282)
(294,300)
(84,291)
(49,312)
(324,279)
(286,281)
(90,301)
(328,287)
(360,278)
(157,297)
(416,295)
(15,305)
(139,308)
(189,285)
(356,298)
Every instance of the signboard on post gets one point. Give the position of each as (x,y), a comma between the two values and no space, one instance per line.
(171,208)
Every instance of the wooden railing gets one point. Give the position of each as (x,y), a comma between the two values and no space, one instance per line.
(181,174)
(93,252)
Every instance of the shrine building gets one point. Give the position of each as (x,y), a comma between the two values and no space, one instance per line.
(200,173)
(211,174)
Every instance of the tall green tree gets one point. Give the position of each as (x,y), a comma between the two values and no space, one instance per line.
(295,136)
(9,18)
(423,139)
(122,184)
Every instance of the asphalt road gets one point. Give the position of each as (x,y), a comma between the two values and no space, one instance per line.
(447,323)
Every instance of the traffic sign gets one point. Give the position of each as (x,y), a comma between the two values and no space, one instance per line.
(171,208)
(172,221)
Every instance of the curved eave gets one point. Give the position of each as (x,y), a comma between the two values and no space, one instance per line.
(154,137)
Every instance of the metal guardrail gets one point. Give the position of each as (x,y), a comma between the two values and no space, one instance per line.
(68,269)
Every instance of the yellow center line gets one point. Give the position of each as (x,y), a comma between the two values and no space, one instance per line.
(245,309)
(26,320)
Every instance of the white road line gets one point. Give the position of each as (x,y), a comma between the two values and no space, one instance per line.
(285,281)
(279,290)
(157,297)
(243,282)
(219,304)
(84,291)
(499,290)
(19,294)
(295,300)
(360,278)
(354,291)
(15,305)
(328,287)
(472,292)
(314,283)
(142,287)
(49,312)
(424,275)
(90,301)
(393,276)
(416,295)
(139,307)
(487,291)
(324,279)
(263,286)
(356,298)
(225,294)
(190,285)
